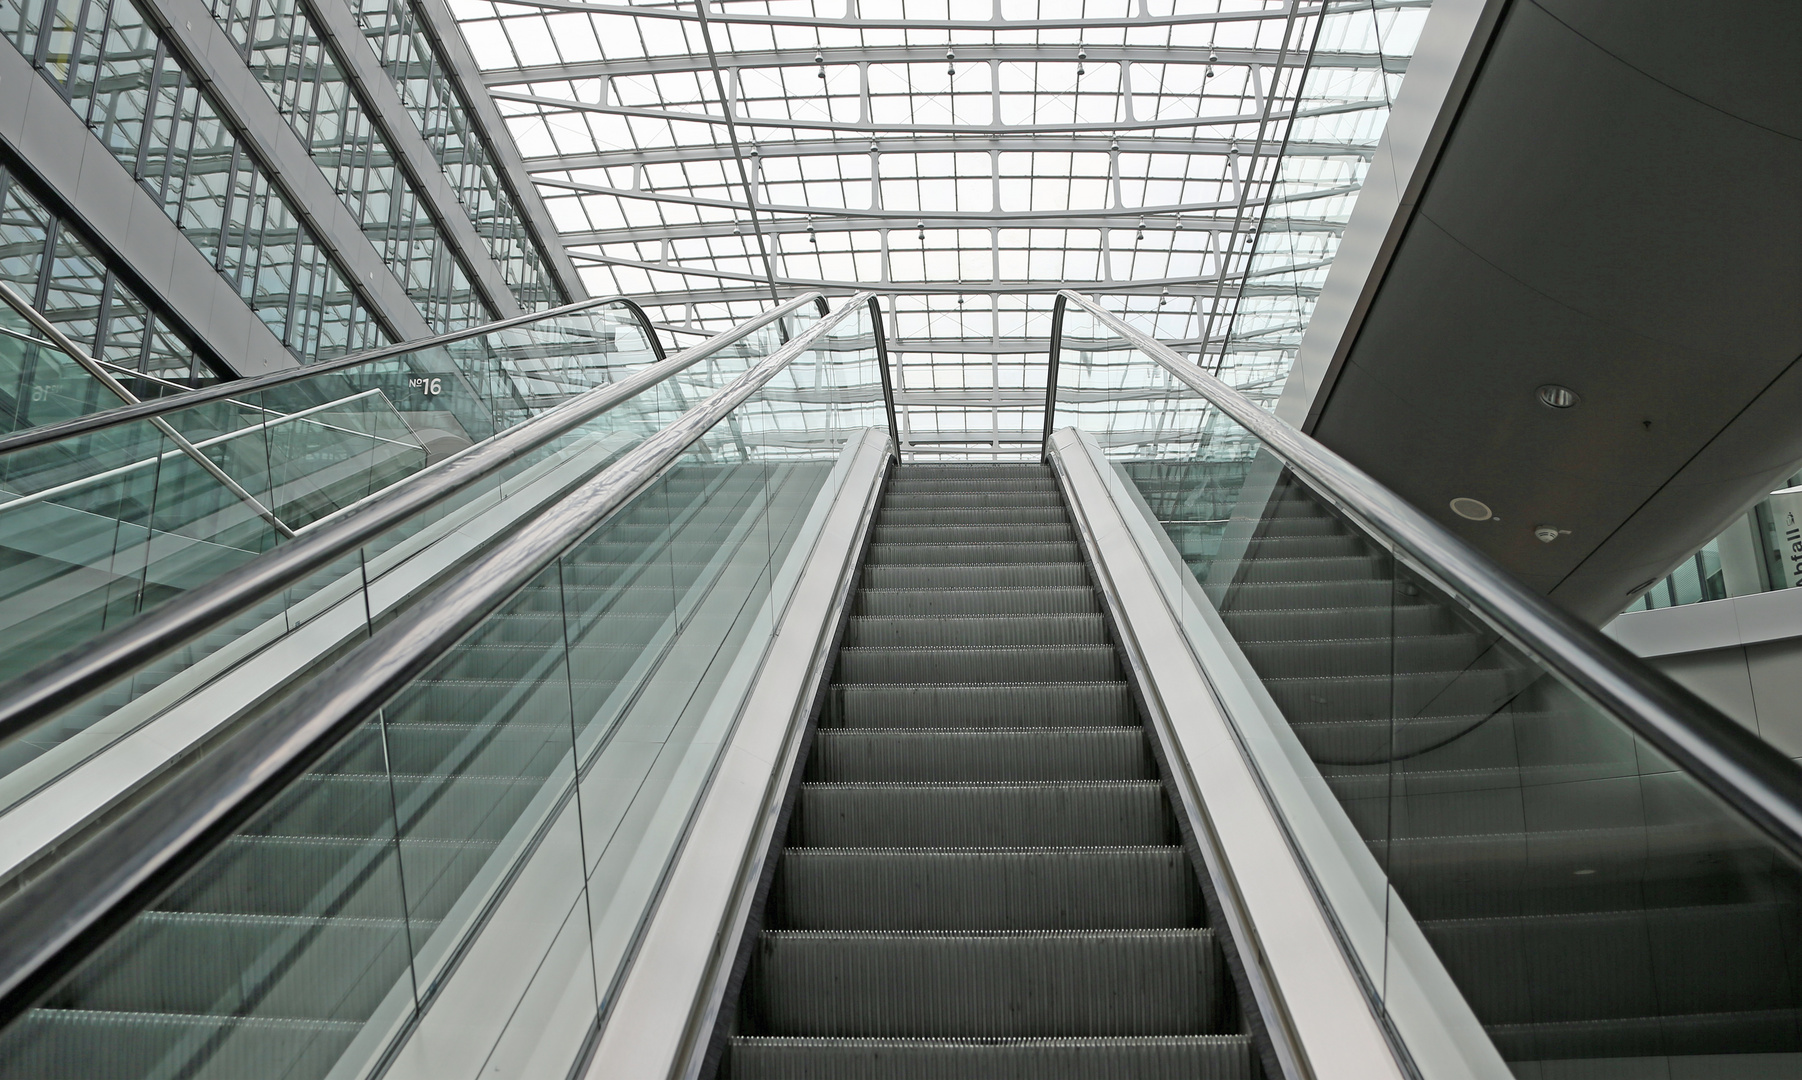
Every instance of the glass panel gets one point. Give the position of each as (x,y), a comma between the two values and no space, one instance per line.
(1481,829)
(39,383)
(103,527)
(301,944)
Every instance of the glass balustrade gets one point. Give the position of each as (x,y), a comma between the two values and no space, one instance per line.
(144,524)
(548,760)
(1528,886)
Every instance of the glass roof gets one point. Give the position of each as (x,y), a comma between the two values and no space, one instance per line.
(1193,162)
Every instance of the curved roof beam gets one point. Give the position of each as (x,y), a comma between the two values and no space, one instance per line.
(948,144)
(887,130)
(981,52)
(686,13)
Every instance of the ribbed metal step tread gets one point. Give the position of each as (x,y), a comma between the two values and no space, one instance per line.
(1292,595)
(1005,496)
(1477,692)
(1029,983)
(979,664)
(1306,545)
(975,630)
(964,889)
(904,484)
(910,754)
(1015,705)
(92,1043)
(998,533)
(972,515)
(1311,570)
(1660,1036)
(176,963)
(973,553)
(1168,1057)
(1325,657)
(1366,621)
(991,576)
(1014,814)
(951,603)
(928,470)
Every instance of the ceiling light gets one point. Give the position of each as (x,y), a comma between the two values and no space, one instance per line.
(1472,509)
(1558,397)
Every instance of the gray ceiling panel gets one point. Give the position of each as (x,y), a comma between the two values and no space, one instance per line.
(1591,225)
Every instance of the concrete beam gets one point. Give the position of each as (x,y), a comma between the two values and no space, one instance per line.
(447,39)
(101,198)
(213,59)
(1451,48)
(334,22)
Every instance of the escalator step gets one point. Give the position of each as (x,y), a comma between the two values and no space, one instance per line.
(1479,691)
(987,664)
(1008,495)
(1169,1057)
(1325,657)
(1048,889)
(1311,570)
(984,471)
(951,553)
(176,962)
(954,516)
(874,754)
(928,705)
(998,533)
(1068,983)
(1301,624)
(290,875)
(1307,595)
(992,576)
(108,1045)
(1026,814)
(916,603)
(1306,546)
(975,630)
(905,484)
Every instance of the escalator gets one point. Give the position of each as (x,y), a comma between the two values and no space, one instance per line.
(983,876)
(285,943)
(683,731)
(331,898)
(1626,919)
(106,515)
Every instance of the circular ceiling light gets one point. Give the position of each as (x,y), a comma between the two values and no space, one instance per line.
(1558,397)
(1472,509)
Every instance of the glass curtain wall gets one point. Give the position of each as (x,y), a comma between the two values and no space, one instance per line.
(49,264)
(304,80)
(397,33)
(120,77)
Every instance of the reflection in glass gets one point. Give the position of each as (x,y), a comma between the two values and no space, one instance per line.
(1599,911)
(571,731)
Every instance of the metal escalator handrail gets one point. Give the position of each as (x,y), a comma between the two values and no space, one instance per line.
(888,387)
(124,414)
(63,343)
(1738,767)
(69,911)
(39,694)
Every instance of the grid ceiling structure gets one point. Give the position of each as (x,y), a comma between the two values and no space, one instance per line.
(1191,161)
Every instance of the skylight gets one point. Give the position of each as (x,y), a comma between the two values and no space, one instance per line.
(1193,162)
